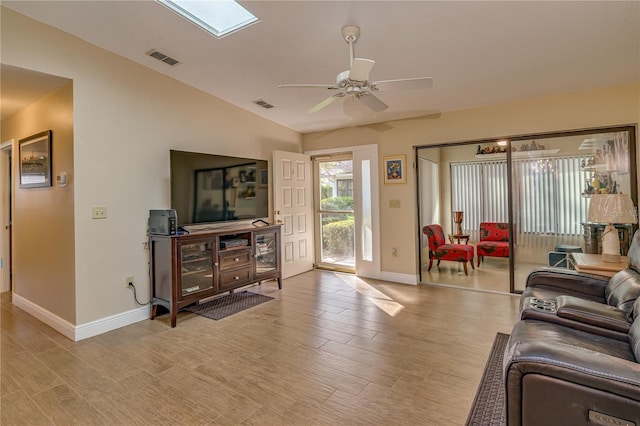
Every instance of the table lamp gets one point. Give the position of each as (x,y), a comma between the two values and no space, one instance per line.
(610,209)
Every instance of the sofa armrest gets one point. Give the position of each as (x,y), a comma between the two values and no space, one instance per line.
(562,381)
(592,313)
(569,282)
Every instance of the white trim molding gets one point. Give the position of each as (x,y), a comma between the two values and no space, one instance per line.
(103,325)
(397,277)
(83,331)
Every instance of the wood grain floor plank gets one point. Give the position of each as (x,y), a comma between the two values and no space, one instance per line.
(19,409)
(329,349)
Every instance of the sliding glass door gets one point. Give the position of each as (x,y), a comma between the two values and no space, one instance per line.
(531,192)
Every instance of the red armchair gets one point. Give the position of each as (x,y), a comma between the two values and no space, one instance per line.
(440,251)
(494,240)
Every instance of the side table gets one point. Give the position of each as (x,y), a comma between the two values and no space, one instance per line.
(591,263)
(458,238)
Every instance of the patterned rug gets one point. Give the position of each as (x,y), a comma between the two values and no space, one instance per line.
(227,305)
(488,406)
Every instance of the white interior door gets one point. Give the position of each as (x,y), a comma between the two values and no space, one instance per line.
(293,208)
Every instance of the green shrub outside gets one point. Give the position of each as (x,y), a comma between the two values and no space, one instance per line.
(337,203)
(335,236)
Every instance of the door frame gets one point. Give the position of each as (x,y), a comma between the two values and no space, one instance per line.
(315,160)
(6,192)
(359,154)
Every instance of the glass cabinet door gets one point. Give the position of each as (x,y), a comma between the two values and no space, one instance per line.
(197,267)
(266,252)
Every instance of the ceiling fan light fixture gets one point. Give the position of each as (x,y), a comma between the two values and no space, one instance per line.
(355,81)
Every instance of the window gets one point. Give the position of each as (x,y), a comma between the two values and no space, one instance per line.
(220,17)
(547,194)
(345,186)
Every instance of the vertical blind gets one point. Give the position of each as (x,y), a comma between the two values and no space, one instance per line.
(547,195)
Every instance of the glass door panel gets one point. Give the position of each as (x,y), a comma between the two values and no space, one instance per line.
(197,267)
(266,253)
(554,180)
(335,213)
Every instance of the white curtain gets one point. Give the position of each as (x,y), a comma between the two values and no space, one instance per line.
(548,197)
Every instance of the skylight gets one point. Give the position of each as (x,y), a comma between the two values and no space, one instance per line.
(219,17)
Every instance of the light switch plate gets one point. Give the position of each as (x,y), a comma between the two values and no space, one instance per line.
(394,204)
(98,212)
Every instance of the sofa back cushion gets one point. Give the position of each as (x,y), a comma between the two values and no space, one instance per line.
(435,236)
(634,332)
(633,256)
(622,291)
(494,231)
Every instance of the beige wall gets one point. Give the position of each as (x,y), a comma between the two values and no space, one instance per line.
(126,119)
(596,108)
(44,244)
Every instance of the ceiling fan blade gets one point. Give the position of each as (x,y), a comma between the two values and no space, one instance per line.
(309,86)
(372,102)
(404,83)
(325,103)
(360,69)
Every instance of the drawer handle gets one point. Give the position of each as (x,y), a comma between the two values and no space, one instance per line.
(236,278)
(235,259)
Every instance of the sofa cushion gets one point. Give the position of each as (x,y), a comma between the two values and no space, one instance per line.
(435,236)
(457,252)
(633,256)
(493,248)
(623,290)
(494,231)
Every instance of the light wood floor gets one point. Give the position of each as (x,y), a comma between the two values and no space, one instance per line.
(330,349)
(491,275)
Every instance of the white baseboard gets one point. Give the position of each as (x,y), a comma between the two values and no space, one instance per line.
(63,326)
(398,278)
(103,325)
(83,331)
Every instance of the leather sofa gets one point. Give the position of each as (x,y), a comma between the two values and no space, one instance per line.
(573,357)
(586,302)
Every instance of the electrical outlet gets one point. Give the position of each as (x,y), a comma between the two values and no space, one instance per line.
(128,281)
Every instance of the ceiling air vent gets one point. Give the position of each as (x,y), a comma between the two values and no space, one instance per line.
(263,104)
(162,57)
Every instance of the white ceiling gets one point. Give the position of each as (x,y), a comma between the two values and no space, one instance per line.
(478,52)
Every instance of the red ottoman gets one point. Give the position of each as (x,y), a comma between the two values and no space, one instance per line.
(440,251)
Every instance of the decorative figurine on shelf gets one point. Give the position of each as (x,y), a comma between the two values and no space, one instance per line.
(479,150)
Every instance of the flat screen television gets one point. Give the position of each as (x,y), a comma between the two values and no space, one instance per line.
(208,189)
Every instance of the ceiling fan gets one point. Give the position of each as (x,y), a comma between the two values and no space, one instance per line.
(355,83)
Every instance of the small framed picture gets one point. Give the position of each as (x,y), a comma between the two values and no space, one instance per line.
(394,169)
(264,177)
(35,160)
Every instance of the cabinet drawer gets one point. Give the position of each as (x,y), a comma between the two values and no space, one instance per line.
(232,279)
(235,259)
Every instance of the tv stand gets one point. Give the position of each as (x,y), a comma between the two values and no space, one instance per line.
(188,268)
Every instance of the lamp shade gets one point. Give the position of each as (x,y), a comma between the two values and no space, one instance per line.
(611,208)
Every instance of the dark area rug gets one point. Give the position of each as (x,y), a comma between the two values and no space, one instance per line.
(488,406)
(227,305)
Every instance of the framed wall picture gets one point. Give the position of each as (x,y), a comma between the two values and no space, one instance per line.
(264,177)
(35,160)
(394,169)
